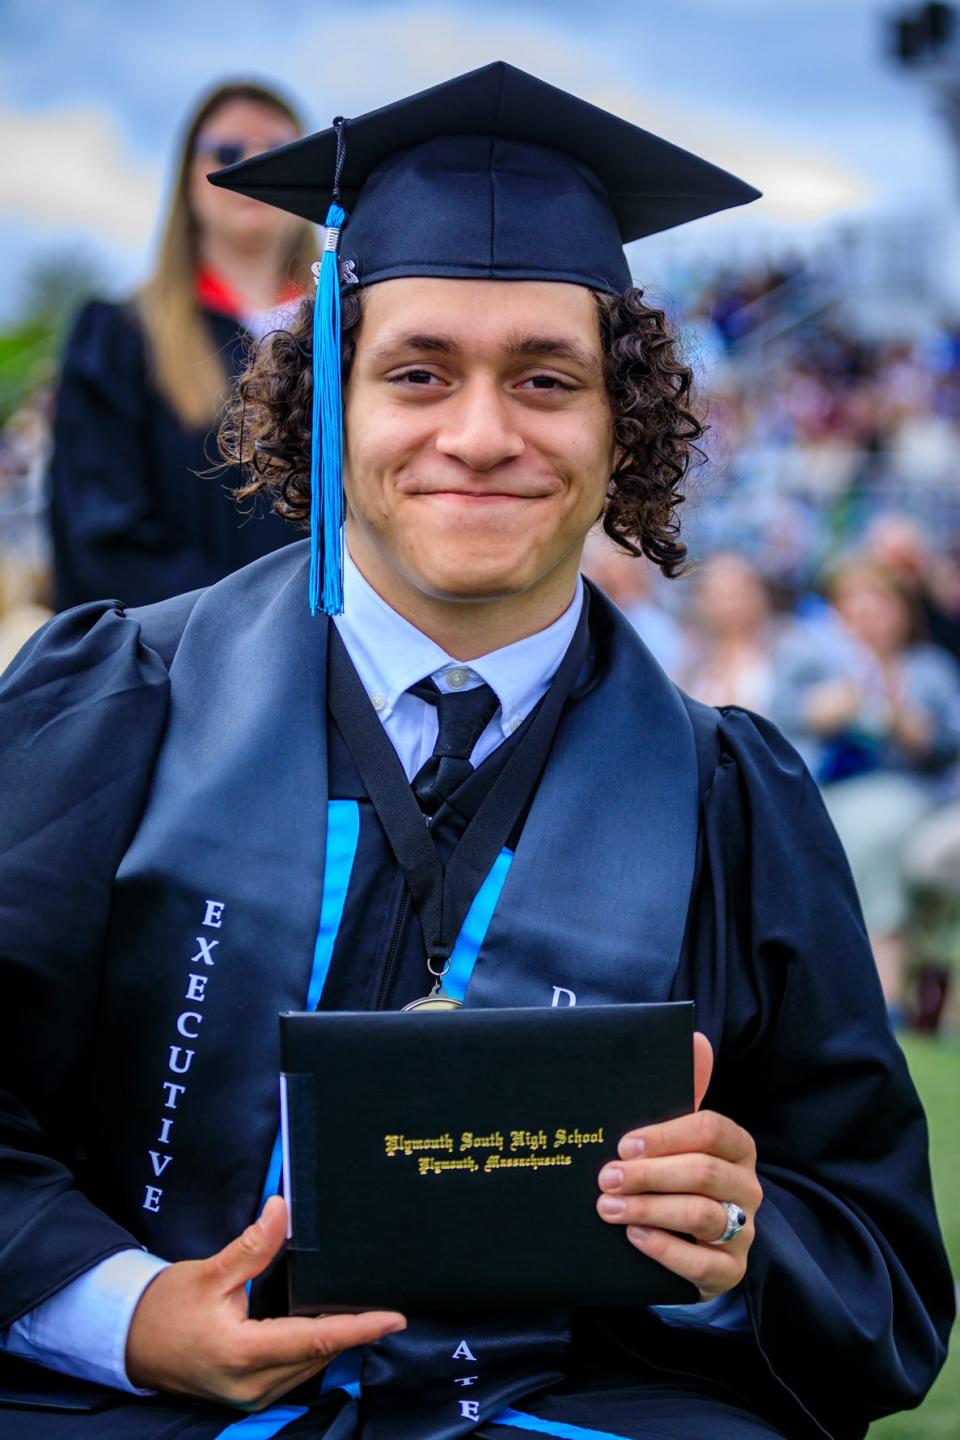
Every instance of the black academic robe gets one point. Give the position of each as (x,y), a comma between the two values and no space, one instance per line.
(167,776)
(133,510)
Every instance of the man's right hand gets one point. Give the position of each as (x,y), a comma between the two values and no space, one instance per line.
(191,1334)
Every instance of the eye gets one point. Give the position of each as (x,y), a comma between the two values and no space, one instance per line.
(423,378)
(550,384)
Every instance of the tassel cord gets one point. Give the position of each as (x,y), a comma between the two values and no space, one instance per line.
(326,453)
(326,449)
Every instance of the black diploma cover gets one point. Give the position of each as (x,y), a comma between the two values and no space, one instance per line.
(450,1162)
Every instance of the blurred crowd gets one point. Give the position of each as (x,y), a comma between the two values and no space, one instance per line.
(824,591)
(823,524)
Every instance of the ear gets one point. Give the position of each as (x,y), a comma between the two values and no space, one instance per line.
(616,459)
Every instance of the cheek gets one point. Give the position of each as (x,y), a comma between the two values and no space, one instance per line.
(583,452)
(377,445)
(586,435)
(379,438)
(199,190)
(212,208)
(223,212)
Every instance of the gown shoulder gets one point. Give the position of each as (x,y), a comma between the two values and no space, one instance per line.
(764,801)
(82,712)
(79,652)
(732,734)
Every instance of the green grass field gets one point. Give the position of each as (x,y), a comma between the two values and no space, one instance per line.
(936,1072)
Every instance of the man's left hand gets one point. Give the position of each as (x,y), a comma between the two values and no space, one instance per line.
(674,1177)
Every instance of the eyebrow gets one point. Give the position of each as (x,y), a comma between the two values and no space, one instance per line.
(555,347)
(545,347)
(396,344)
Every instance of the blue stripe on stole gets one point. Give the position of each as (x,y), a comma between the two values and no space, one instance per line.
(263,1426)
(343,837)
(475,926)
(517,1420)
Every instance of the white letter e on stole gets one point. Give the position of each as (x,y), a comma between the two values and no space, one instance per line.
(559,990)
(213,913)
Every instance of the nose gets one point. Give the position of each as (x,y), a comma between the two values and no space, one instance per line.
(478,427)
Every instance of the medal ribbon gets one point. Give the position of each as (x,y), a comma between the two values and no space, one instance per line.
(442,895)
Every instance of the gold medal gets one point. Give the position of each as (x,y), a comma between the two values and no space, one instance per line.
(438,999)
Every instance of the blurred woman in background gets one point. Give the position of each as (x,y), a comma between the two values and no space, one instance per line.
(138,512)
(876,713)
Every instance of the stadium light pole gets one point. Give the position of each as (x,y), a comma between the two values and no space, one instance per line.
(925,41)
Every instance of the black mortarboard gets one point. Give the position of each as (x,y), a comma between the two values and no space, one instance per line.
(493,175)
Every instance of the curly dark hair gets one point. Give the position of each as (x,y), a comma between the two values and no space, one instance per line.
(266,425)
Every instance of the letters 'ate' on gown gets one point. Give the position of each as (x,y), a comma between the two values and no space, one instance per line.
(135,792)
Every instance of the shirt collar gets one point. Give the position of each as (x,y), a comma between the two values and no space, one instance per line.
(389,654)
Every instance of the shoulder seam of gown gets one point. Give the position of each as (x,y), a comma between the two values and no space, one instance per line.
(163,623)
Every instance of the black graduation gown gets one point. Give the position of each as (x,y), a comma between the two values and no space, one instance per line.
(130,514)
(670,851)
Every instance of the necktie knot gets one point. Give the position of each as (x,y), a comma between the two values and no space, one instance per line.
(462,717)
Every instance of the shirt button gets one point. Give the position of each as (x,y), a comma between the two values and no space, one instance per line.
(378,701)
(512,724)
(456,679)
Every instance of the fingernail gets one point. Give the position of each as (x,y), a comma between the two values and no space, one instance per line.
(612,1206)
(637,1232)
(632,1147)
(396,1327)
(611,1177)
(261,1217)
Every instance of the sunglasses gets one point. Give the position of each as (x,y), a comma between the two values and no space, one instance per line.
(228,152)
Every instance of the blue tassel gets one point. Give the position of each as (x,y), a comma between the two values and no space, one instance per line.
(326,450)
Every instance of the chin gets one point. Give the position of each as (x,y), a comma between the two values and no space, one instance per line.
(471,582)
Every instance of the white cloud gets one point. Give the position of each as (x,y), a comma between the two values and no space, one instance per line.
(71,168)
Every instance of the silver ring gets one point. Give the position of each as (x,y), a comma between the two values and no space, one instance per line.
(736,1219)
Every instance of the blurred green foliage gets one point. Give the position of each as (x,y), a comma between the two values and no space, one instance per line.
(55,287)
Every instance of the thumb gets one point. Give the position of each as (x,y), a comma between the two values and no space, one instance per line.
(702,1067)
(250,1254)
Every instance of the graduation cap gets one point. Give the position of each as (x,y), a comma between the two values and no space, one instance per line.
(492,175)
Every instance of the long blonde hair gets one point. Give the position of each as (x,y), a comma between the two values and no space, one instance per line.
(184,363)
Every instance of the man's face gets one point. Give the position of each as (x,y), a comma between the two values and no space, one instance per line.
(479,438)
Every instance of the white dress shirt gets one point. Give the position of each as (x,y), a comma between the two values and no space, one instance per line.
(389,654)
(82,1330)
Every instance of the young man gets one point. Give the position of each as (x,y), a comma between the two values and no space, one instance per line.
(193,849)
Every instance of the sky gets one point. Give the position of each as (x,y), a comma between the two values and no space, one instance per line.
(797,96)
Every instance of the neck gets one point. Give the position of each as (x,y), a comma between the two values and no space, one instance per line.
(738,639)
(255,274)
(467,628)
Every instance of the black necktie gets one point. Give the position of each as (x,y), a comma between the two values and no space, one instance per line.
(463,715)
